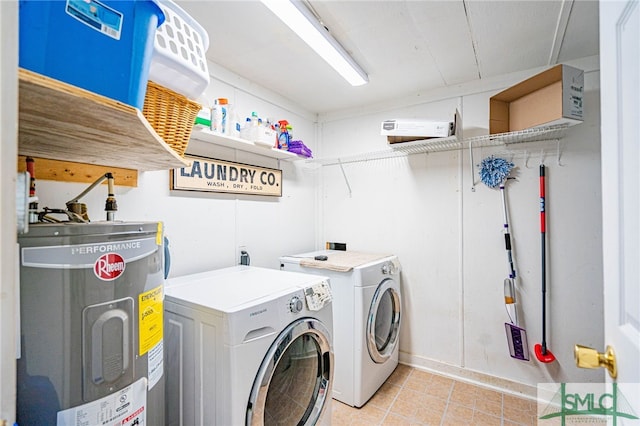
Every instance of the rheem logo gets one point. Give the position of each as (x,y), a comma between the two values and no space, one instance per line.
(109,266)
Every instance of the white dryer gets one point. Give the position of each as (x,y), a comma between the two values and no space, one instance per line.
(367,311)
(248,346)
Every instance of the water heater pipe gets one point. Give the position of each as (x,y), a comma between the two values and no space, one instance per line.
(110,206)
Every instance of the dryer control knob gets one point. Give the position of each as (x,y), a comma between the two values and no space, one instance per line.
(388,269)
(295,305)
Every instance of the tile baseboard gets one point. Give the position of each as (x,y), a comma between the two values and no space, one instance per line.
(521,390)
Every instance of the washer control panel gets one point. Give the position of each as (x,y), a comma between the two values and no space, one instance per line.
(318,295)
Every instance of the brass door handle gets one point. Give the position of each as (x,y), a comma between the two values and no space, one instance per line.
(590,358)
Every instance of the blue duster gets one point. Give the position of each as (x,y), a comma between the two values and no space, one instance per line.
(494,171)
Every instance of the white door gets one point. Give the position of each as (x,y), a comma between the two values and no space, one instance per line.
(8,251)
(620,106)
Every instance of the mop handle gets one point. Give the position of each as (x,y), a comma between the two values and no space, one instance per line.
(507,234)
(542,201)
(544,261)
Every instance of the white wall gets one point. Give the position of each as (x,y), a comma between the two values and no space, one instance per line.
(421,207)
(206,229)
(450,243)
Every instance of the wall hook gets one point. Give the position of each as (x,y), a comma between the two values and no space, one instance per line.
(542,157)
(527,155)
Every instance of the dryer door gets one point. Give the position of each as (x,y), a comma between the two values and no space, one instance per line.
(383,321)
(295,377)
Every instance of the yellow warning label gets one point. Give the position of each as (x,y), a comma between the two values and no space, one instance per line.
(159,234)
(150,318)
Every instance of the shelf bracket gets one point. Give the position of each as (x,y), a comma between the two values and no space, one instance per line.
(559,153)
(472,166)
(346,180)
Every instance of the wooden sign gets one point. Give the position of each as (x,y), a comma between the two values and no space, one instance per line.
(211,175)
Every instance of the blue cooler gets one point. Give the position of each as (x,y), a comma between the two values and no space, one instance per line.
(102,46)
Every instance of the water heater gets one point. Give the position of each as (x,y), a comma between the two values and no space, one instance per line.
(91,324)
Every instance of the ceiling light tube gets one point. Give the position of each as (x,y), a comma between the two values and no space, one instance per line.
(297,17)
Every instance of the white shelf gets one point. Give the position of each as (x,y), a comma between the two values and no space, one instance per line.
(428,145)
(537,134)
(206,135)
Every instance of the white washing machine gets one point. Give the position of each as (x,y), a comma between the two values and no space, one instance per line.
(366,316)
(248,346)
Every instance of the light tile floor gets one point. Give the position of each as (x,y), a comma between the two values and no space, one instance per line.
(415,397)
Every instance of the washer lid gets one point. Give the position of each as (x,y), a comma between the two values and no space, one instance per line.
(232,289)
(338,260)
(296,258)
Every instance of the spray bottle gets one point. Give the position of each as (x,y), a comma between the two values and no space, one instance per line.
(283,134)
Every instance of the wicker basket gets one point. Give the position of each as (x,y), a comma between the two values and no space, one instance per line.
(171,115)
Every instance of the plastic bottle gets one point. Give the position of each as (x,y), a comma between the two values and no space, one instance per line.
(276,127)
(254,119)
(220,121)
(245,130)
(214,113)
(283,135)
(224,113)
(233,122)
(203,119)
(289,135)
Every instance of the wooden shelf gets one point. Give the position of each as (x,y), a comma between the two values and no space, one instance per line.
(242,145)
(67,171)
(59,121)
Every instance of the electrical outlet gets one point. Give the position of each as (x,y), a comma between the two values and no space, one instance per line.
(243,256)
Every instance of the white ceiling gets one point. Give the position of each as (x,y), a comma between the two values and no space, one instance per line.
(405,46)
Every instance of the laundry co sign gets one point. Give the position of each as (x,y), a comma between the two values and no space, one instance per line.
(209,175)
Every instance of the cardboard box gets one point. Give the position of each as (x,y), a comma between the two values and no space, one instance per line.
(412,129)
(552,97)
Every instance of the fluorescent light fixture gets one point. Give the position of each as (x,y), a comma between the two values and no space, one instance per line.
(300,19)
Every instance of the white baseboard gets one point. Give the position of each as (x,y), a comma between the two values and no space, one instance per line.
(499,384)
